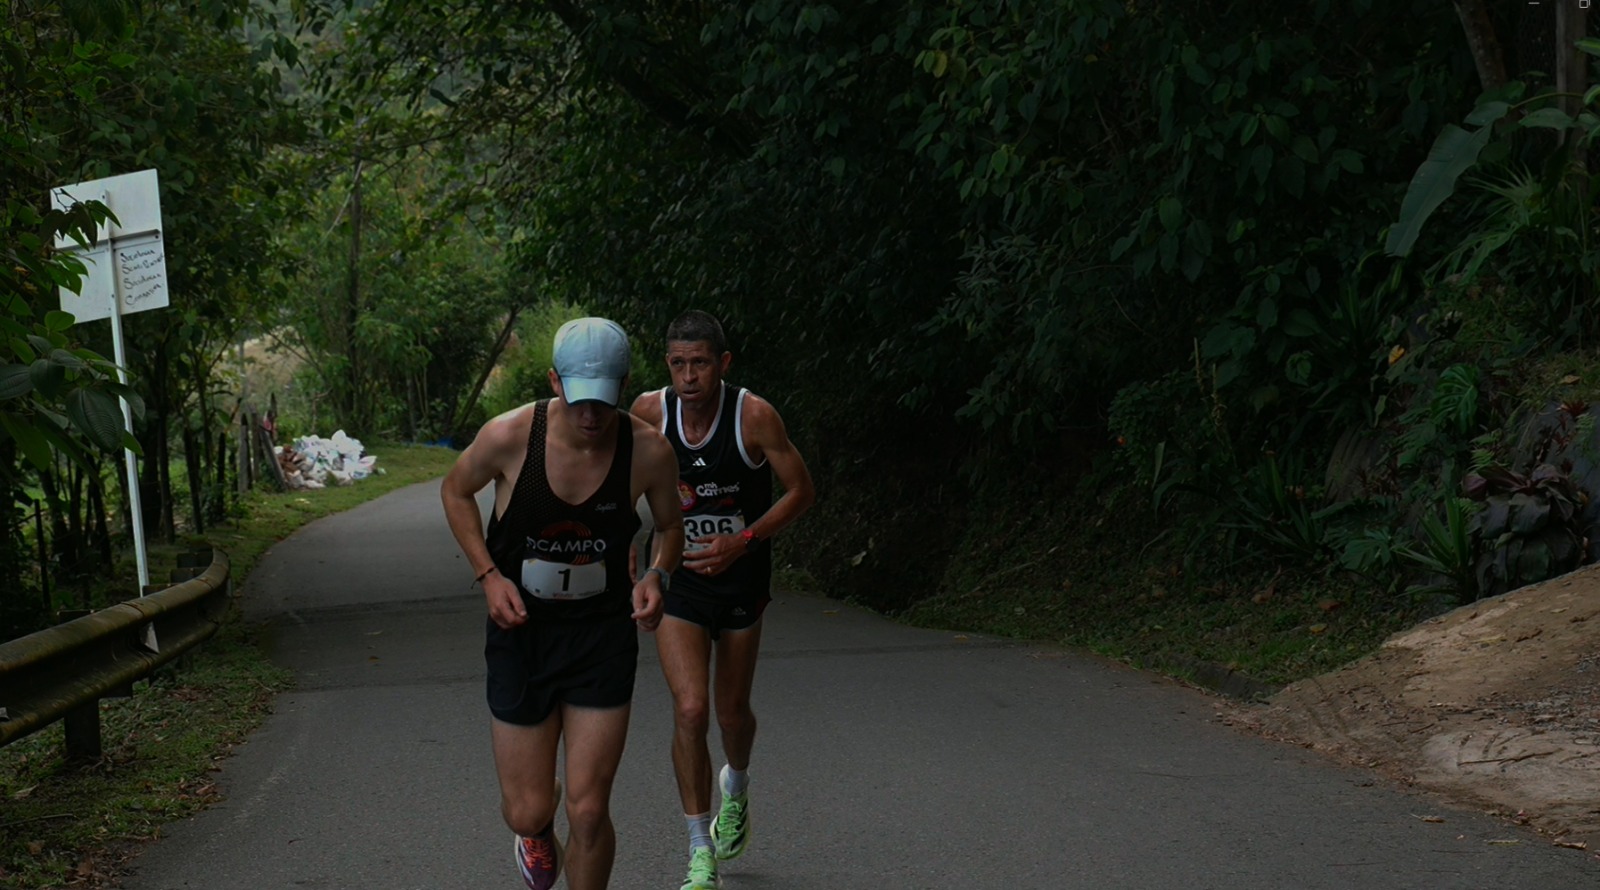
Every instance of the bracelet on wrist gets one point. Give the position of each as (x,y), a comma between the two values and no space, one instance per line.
(663,574)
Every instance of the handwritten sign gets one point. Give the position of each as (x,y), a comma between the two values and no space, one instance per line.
(141,270)
(128,259)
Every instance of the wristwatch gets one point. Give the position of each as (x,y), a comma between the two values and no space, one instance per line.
(750,539)
(666,579)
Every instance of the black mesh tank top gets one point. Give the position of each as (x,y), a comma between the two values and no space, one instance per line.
(570,561)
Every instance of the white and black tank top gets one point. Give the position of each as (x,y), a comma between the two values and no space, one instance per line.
(570,561)
(721,491)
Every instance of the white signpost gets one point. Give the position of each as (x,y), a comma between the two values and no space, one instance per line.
(127,273)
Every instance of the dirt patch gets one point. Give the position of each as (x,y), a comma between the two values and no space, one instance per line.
(1496,703)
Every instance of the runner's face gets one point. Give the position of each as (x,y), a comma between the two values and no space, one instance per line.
(592,418)
(696,370)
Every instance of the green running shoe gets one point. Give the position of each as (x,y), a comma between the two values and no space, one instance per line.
(730,831)
(702,871)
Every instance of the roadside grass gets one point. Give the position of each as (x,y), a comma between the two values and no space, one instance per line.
(1203,637)
(76,824)
(1111,582)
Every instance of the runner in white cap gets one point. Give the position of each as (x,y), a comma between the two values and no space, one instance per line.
(564,613)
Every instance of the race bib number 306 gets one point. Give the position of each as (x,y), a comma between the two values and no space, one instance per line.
(701,526)
(560,581)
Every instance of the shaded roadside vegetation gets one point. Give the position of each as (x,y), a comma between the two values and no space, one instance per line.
(379,276)
(74,824)
(1290,308)
(1192,332)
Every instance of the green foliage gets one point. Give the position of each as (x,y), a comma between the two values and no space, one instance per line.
(1445,549)
(94,89)
(55,395)
(163,743)
(1531,527)
(1453,153)
(1455,400)
(393,321)
(1282,513)
(1170,437)
(1531,214)
(1063,190)
(521,375)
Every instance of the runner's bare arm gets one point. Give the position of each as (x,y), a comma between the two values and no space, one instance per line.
(764,436)
(498,450)
(646,407)
(656,467)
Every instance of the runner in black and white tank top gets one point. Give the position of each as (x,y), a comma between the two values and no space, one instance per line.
(722,491)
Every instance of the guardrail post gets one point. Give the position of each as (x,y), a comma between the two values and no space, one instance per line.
(82,724)
(83,731)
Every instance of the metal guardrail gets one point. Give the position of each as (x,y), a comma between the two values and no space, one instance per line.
(61,673)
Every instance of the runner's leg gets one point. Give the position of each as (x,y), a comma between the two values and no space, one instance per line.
(685,650)
(735,676)
(525,760)
(595,738)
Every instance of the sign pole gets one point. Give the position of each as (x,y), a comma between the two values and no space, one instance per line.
(135,508)
(127,275)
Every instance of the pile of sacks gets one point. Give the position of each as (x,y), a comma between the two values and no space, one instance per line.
(315,462)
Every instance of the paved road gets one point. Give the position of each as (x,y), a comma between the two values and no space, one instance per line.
(889,757)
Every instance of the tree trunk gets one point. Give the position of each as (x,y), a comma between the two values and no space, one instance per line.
(50,484)
(17,606)
(1482,41)
(223,488)
(192,458)
(168,529)
(352,316)
(155,477)
(1572,23)
(75,559)
(102,530)
(465,410)
(209,489)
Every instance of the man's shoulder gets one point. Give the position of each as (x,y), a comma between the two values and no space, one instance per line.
(757,409)
(509,423)
(649,445)
(645,431)
(648,407)
(520,415)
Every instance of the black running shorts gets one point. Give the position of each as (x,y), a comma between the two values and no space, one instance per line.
(540,664)
(717,617)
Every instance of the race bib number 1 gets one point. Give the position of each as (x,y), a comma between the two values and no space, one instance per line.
(560,581)
(701,526)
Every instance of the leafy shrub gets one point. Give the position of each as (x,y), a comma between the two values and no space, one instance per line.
(1171,435)
(1530,526)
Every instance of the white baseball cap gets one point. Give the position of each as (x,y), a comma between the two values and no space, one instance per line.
(591,358)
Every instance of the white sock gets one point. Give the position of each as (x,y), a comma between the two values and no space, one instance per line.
(699,831)
(734,781)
